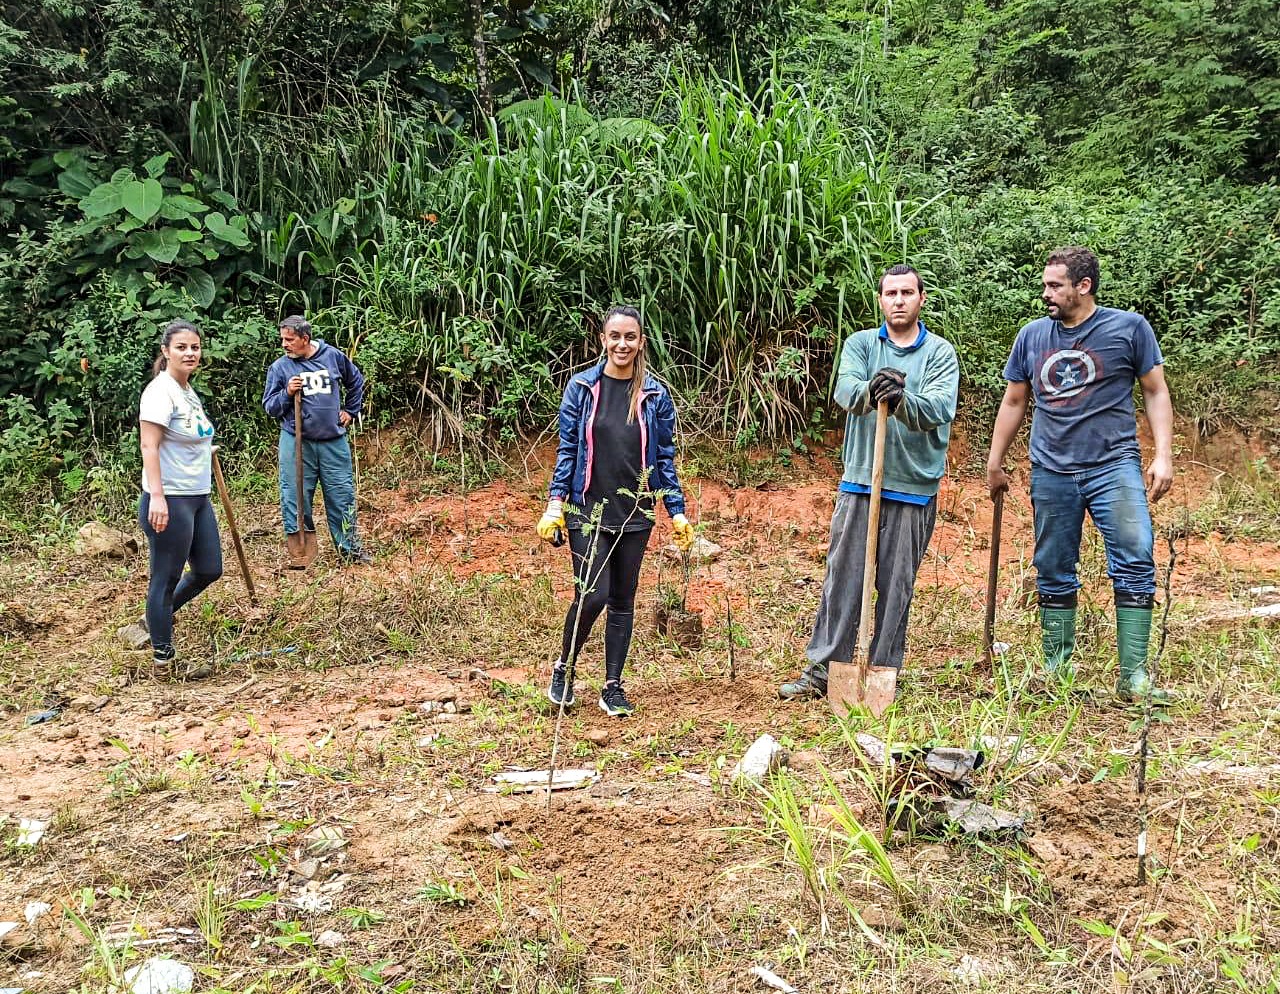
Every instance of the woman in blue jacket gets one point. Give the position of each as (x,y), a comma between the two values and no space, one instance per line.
(616,453)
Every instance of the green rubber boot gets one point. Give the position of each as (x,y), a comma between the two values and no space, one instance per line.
(1058,640)
(1133,638)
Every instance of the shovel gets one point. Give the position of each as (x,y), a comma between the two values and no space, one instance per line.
(853,683)
(231,524)
(993,577)
(301,544)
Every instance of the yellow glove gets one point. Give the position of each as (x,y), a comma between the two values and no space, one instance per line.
(552,518)
(683,529)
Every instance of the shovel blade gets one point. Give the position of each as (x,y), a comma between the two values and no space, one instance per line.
(881,689)
(302,548)
(844,687)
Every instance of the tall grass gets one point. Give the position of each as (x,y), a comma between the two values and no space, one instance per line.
(750,230)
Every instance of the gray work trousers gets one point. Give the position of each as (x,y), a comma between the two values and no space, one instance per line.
(905,530)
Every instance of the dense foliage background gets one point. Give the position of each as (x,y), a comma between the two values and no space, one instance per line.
(454,191)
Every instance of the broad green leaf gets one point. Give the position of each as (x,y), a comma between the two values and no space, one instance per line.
(155,165)
(200,286)
(142,198)
(76,181)
(188,235)
(179,207)
(23,188)
(218,226)
(102,200)
(121,176)
(162,245)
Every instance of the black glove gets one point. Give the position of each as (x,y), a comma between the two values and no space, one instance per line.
(888,385)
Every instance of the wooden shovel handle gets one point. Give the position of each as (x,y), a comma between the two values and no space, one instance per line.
(873,535)
(297,451)
(235,532)
(993,575)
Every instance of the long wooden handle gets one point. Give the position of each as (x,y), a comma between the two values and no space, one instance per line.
(993,575)
(235,532)
(873,534)
(297,454)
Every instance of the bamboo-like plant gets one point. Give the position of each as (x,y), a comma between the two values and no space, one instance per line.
(751,231)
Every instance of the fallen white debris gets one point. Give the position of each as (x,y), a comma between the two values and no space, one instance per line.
(324,839)
(30,831)
(525,781)
(160,976)
(771,979)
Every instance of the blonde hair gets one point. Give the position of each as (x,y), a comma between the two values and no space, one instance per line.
(638,367)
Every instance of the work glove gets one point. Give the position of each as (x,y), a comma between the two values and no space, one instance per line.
(888,385)
(683,529)
(552,520)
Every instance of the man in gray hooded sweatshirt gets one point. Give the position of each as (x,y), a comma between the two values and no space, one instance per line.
(332,389)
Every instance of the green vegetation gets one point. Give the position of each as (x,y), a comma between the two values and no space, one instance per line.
(320,830)
(455,191)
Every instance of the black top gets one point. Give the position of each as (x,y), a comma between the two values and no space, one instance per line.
(616,463)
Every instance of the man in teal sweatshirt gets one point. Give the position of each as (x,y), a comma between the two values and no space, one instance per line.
(917,374)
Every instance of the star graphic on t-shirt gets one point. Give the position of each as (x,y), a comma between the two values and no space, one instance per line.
(1067,376)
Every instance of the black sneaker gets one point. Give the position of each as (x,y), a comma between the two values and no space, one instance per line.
(559,687)
(613,701)
(357,558)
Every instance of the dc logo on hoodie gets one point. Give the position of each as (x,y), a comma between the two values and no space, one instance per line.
(316,381)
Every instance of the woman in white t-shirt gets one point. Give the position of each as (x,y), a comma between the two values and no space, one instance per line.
(175,511)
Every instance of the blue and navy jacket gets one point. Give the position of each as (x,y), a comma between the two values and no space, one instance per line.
(572,476)
(322,400)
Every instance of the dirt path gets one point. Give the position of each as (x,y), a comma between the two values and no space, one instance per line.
(408,684)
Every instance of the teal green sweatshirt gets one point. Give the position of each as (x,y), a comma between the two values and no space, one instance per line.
(915,455)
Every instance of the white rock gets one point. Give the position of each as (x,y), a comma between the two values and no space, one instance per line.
(160,976)
(329,939)
(702,551)
(764,756)
(999,648)
(97,539)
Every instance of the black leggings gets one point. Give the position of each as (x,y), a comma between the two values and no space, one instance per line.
(611,582)
(190,537)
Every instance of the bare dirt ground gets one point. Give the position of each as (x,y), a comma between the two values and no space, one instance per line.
(319,818)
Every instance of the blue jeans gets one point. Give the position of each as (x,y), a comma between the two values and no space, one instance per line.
(1116,498)
(327,463)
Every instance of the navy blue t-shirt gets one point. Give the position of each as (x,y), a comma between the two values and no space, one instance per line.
(1082,380)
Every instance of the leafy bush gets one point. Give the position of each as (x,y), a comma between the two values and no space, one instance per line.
(1197,260)
(751,231)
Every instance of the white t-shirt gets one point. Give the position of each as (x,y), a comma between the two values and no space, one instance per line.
(186,446)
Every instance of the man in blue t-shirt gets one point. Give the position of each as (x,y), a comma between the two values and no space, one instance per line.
(1080,364)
